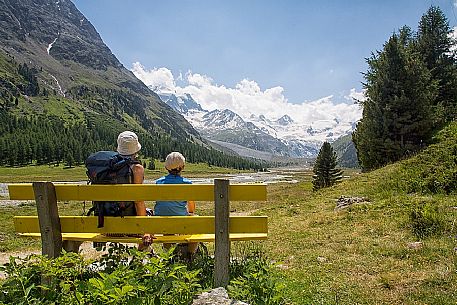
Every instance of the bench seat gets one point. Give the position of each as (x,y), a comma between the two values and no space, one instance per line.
(191,238)
(185,229)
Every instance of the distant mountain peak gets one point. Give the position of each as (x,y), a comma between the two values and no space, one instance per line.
(285,120)
(182,103)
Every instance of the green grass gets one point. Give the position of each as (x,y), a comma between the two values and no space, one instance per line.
(78,173)
(361,255)
(365,248)
(61,107)
(42,173)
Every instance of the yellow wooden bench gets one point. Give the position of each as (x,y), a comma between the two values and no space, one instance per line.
(68,232)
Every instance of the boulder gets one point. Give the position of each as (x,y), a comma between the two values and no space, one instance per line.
(344,201)
(217,296)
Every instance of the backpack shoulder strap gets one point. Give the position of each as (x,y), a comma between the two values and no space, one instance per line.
(131,164)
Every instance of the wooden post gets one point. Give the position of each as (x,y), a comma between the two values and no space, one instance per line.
(221,227)
(48,217)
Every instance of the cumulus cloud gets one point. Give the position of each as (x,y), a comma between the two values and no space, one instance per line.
(247,98)
(157,79)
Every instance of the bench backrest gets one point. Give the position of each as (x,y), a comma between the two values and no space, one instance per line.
(139,192)
(128,192)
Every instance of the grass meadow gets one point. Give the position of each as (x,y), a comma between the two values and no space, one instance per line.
(364,254)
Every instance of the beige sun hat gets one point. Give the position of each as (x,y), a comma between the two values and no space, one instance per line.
(175,160)
(127,143)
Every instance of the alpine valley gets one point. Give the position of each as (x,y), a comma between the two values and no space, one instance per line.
(64,94)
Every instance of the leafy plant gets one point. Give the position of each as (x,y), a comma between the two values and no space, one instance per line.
(125,275)
(254,280)
(122,276)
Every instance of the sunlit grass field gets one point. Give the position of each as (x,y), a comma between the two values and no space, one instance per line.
(78,173)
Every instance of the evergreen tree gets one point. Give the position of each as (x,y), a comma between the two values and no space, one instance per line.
(435,45)
(152,165)
(397,116)
(325,171)
(69,160)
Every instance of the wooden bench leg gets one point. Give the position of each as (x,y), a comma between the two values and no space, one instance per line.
(222,240)
(71,245)
(48,216)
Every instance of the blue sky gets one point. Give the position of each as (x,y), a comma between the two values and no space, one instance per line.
(311,49)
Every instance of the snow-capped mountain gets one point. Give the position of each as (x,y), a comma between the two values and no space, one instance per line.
(281,137)
(182,104)
(285,120)
(227,126)
(315,132)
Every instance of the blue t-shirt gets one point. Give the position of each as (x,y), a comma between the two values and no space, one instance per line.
(171,208)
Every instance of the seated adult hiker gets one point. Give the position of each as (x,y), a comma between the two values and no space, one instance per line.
(108,167)
(174,164)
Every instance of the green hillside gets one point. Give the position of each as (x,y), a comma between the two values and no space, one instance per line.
(397,247)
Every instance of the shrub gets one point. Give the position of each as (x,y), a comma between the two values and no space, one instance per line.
(127,276)
(254,280)
(426,220)
(123,276)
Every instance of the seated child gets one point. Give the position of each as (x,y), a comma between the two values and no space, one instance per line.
(174,164)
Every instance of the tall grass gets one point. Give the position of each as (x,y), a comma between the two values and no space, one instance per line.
(397,248)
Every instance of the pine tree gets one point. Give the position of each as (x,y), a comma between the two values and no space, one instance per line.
(325,171)
(397,116)
(435,45)
(69,160)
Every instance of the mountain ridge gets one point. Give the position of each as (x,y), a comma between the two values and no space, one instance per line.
(70,57)
(282,137)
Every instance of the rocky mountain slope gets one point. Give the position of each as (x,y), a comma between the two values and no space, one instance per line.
(70,59)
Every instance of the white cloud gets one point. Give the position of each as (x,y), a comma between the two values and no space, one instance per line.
(247,97)
(159,79)
(198,80)
(356,96)
(453,35)
(455,3)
